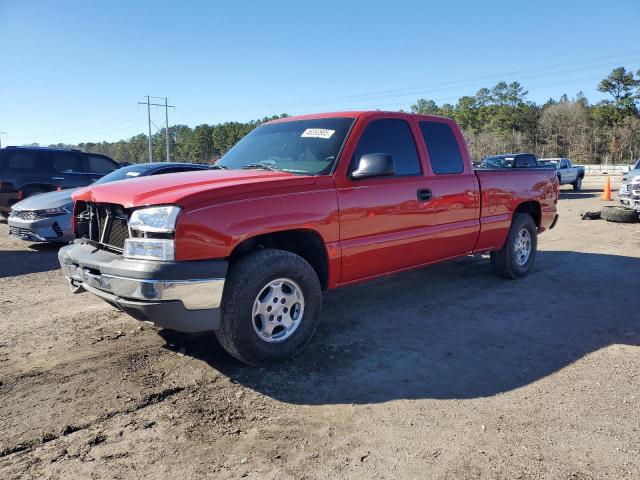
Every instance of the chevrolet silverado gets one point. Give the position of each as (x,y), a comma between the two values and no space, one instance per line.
(300,205)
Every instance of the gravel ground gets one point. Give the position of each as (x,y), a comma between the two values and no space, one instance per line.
(443,372)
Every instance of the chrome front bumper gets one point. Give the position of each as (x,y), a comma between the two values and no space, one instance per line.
(182,296)
(629,200)
(194,294)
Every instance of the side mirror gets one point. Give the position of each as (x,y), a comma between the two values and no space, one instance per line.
(373,165)
(626,169)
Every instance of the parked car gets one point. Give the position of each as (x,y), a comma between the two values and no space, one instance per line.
(510,160)
(28,171)
(568,174)
(47,217)
(630,188)
(300,205)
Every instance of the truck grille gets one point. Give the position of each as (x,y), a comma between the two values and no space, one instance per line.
(103,223)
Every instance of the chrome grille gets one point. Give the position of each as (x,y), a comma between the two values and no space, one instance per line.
(106,224)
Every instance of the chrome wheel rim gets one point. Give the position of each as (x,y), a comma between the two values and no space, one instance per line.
(523,247)
(278,310)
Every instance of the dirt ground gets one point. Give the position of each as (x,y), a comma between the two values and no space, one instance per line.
(443,372)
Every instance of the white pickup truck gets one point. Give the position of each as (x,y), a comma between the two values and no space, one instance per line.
(567,172)
(630,189)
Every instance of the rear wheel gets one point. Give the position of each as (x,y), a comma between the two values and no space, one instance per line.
(271,307)
(577,185)
(516,257)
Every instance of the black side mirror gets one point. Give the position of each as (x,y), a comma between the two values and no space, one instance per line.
(374,165)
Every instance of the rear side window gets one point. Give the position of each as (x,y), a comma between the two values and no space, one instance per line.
(391,136)
(22,162)
(63,162)
(97,164)
(443,148)
(526,161)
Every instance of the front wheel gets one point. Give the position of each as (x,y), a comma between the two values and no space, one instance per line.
(516,257)
(270,308)
(577,185)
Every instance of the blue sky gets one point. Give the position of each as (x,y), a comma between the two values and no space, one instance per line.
(74,71)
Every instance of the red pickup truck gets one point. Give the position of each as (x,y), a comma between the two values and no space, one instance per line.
(300,205)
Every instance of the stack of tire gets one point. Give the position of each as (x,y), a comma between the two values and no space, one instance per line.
(613,213)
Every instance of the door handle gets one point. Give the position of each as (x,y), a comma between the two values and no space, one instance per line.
(57,178)
(425,194)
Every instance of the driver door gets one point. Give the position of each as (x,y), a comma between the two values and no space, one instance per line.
(385,221)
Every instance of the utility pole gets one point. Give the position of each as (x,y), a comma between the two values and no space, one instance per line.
(2,133)
(166,117)
(166,126)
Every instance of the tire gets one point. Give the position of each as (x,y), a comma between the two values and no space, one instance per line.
(252,283)
(508,262)
(619,215)
(577,185)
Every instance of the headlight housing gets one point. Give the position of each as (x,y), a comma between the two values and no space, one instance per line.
(149,248)
(155,219)
(52,212)
(153,227)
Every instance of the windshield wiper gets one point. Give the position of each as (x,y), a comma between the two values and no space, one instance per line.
(262,166)
(219,167)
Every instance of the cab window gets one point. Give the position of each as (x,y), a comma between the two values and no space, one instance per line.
(442,147)
(391,136)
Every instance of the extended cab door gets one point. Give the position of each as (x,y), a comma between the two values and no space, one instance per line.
(566,175)
(456,199)
(384,221)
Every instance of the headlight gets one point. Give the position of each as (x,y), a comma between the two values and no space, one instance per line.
(155,219)
(149,248)
(52,212)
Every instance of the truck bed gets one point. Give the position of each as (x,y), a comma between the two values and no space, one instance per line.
(503,190)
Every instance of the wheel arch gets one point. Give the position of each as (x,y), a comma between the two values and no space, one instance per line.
(306,243)
(531,207)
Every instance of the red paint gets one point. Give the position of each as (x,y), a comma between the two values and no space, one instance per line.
(369,227)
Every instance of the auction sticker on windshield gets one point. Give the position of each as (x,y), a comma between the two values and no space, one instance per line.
(317,133)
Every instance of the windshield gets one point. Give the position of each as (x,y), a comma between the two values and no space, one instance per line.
(132,171)
(637,165)
(306,147)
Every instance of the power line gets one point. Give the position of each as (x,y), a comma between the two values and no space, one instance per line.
(166,113)
(554,69)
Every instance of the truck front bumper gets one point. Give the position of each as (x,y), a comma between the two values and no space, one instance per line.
(629,200)
(182,296)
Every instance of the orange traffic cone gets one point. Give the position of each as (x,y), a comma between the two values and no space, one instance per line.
(606,194)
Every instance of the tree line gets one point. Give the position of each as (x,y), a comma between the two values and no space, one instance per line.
(500,120)
(495,120)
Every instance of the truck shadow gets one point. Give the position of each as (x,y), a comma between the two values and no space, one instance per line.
(584,193)
(39,258)
(451,331)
